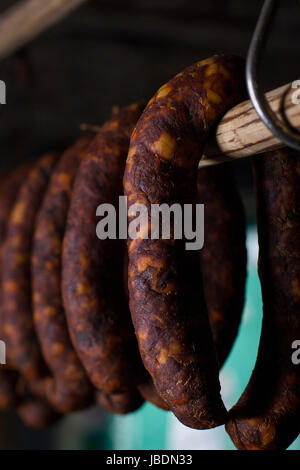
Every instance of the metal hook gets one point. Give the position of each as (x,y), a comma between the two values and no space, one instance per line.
(288,135)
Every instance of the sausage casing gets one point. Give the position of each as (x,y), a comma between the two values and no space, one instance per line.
(166,299)
(22,345)
(68,388)
(223,256)
(267,416)
(9,189)
(93,291)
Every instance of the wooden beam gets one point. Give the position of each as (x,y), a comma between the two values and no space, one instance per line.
(28,18)
(241,132)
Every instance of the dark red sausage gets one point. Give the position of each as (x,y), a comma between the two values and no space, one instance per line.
(68,388)
(267,416)
(34,412)
(8,193)
(223,256)
(166,299)
(93,291)
(223,261)
(22,345)
(146,388)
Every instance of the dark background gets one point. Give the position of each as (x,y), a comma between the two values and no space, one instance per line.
(116,52)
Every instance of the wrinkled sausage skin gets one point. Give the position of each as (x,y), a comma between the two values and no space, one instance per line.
(267,416)
(223,256)
(166,298)
(8,192)
(34,412)
(223,261)
(68,388)
(93,292)
(146,388)
(22,345)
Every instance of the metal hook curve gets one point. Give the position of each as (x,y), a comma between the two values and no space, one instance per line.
(288,135)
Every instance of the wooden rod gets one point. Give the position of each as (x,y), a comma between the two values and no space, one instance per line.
(28,18)
(241,132)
